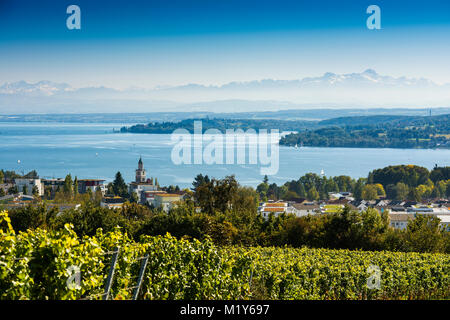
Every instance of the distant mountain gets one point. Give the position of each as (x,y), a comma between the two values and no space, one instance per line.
(367,78)
(41,88)
(367,89)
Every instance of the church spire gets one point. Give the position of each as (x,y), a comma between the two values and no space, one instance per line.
(140,172)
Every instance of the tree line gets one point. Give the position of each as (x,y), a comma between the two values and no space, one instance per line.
(401,182)
(421,132)
(226,212)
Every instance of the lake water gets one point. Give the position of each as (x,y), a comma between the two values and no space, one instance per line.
(94,151)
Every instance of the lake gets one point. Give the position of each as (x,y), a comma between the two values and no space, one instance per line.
(89,150)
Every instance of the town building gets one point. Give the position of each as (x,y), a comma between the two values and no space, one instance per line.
(53,184)
(149,196)
(27,186)
(91,184)
(276,208)
(141,184)
(306,208)
(166,201)
(400,220)
(112,202)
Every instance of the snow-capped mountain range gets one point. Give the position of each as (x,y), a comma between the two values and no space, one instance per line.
(365,89)
(367,78)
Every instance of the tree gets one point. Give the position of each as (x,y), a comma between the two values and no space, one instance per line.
(410,175)
(32,175)
(2,177)
(440,173)
(200,180)
(369,192)
(68,187)
(290,195)
(313,194)
(2,192)
(358,189)
(424,234)
(35,191)
(344,183)
(13,190)
(331,186)
(380,190)
(48,192)
(134,197)
(401,191)
(31,217)
(119,186)
(75,187)
(262,189)
(98,196)
(24,189)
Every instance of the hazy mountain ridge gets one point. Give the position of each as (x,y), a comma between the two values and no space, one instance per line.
(367,89)
(368,77)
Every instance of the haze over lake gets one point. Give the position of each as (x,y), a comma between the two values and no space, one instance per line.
(93,151)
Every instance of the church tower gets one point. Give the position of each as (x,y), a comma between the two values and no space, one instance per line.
(140,172)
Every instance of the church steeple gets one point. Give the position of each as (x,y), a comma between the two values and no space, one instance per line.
(140,172)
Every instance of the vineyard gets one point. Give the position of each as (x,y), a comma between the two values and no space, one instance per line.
(38,264)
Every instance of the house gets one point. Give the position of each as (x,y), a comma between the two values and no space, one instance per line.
(397,203)
(340,195)
(91,184)
(53,184)
(361,205)
(397,209)
(400,220)
(166,201)
(445,221)
(275,208)
(112,202)
(306,208)
(330,208)
(149,196)
(27,186)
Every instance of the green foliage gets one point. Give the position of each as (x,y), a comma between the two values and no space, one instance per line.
(410,175)
(68,187)
(369,132)
(119,187)
(424,234)
(36,265)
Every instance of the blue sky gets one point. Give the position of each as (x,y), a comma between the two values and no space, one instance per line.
(172,42)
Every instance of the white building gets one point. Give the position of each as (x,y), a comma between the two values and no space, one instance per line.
(112,202)
(445,222)
(276,208)
(29,185)
(166,201)
(306,208)
(141,184)
(400,220)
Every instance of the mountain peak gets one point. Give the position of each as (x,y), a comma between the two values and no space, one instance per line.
(370,72)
